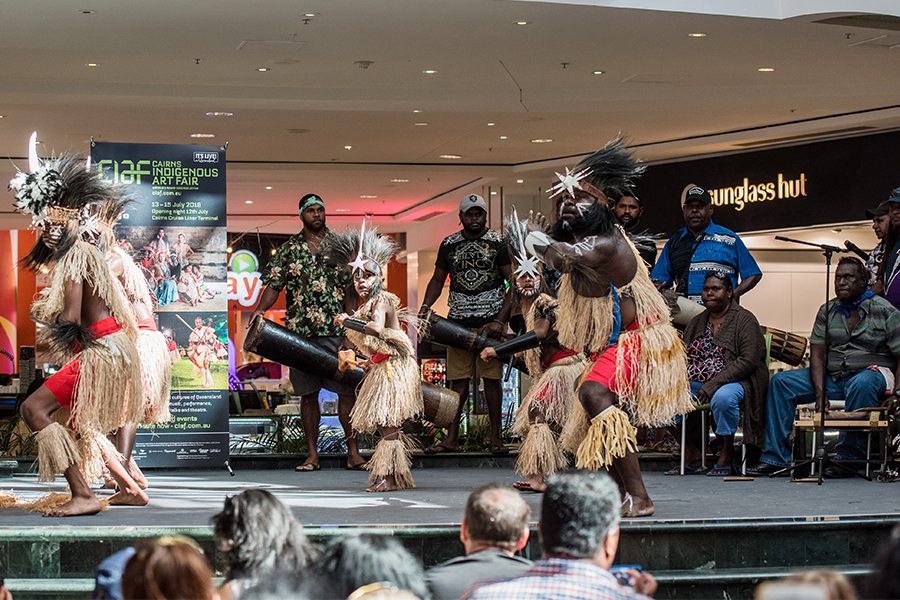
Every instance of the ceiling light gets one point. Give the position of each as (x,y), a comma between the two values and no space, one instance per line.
(696,35)
(347,147)
(421,123)
(541,141)
(203,135)
(87,11)
(1,116)
(450,156)
(599,72)
(502,137)
(91,64)
(522,22)
(429,71)
(268,187)
(520,181)
(219,114)
(310,15)
(248,201)
(262,69)
(368,197)
(835,231)
(490,124)
(493,193)
(400,180)
(766,70)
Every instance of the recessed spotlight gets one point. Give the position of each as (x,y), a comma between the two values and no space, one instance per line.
(417,111)
(493,193)
(766,70)
(421,124)
(450,156)
(400,180)
(262,69)
(268,187)
(219,114)
(310,15)
(696,35)
(502,137)
(347,147)
(522,22)
(92,64)
(368,197)
(87,11)
(541,141)
(835,231)
(520,181)
(203,135)
(248,201)
(599,72)
(429,71)
(1,116)
(490,124)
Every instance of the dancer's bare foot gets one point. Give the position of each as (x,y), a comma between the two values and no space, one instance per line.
(535,484)
(136,474)
(387,484)
(135,497)
(637,507)
(109,483)
(78,505)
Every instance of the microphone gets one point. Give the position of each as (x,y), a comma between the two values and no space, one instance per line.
(856,250)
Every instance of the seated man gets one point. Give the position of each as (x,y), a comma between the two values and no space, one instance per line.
(579,529)
(494,528)
(726,357)
(864,347)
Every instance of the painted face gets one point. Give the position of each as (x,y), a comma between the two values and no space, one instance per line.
(527,285)
(51,233)
(198,322)
(573,206)
(365,281)
(716,295)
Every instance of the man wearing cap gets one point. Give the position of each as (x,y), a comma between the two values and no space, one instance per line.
(629,210)
(477,261)
(316,295)
(880,224)
(702,246)
(890,263)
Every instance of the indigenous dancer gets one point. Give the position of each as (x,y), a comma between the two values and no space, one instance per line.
(609,306)
(202,350)
(391,391)
(555,370)
(85,321)
(156,365)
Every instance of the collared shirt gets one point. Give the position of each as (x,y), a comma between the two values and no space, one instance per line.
(315,290)
(716,249)
(557,579)
(450,579)
(875,341)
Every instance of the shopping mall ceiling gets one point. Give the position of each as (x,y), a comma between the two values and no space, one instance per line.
(364,101)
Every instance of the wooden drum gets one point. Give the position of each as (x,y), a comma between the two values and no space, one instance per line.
(787,347)
(441,404)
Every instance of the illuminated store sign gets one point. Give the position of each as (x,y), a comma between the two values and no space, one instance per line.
(244,278)
(740,195)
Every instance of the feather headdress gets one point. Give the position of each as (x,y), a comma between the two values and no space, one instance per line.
(524,262)
(364,249)
(611,170)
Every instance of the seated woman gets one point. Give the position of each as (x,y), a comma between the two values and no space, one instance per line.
(187,288)
(166,290)
(726,357)
(203,292)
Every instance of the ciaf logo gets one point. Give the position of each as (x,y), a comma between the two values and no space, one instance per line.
(244,278)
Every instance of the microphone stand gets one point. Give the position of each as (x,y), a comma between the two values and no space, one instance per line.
(819,456)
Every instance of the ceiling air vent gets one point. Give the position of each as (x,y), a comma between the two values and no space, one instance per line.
(430,215)
(276,47)
(803,136)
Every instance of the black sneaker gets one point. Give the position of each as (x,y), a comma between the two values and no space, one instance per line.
(762,469)
(834,472)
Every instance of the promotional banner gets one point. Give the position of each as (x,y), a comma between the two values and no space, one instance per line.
(798,186)
(175,230)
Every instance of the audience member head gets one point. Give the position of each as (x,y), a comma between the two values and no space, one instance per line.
(108,577)
(850,279)
(883,582)
(352,561)
(259,535)
(629,210)
(168,567)
(696,203)
(279,586)
(819,585)
(580,515)
(880,219)
(496,517)
(717,291)
(893,206)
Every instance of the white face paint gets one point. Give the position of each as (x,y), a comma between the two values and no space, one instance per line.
(527,285)
(52,234)
(364,281)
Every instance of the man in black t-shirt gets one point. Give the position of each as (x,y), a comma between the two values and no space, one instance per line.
(477,261)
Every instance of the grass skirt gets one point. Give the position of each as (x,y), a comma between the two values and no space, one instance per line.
(391,457)
(540,454)
(610,436)
(57,451)
(390,394)
(156,377)
(108,380)
(554,394)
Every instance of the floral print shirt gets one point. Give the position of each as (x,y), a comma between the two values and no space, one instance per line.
(315,291)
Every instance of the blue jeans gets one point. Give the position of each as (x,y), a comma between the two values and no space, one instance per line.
(790,388)
(724,405)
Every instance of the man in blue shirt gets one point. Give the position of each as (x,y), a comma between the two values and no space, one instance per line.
(702,246)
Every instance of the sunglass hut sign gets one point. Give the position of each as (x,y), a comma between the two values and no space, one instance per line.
(740,195)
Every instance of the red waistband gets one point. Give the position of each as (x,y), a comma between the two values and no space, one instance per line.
(379,358)
(105,327)
(559,356)
(595,355)
(148,324)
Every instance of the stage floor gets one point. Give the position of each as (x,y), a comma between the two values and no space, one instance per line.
(336,498)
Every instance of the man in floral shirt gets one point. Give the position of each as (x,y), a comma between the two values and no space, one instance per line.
(315,296)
